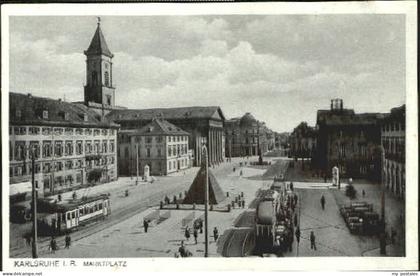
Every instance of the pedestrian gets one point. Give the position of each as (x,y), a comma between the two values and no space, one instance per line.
(363,193)
(215,233)
(312,238)
(187,233)
(181,249)
(243,203)
(240,173)
(28,239)
(201,227)
(53,245)
(67,241)
(195,235)
(297,234)
(291,186)
(145,225)
(323,202)
(295,219)
(295,197)
(277,248)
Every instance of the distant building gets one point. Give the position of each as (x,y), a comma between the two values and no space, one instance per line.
(393,142)
(160,145)
(303,141)
(69,141)
(348,140)
(246,136)
(282,143)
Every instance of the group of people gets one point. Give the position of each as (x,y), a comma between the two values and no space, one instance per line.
(198,228)
(53,243)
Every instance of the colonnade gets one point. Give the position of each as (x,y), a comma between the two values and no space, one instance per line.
(215,144)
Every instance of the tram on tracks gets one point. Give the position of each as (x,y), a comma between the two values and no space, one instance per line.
(58,218)
(273,220)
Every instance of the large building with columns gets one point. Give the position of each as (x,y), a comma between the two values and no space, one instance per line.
(203,123)
(393,142)
(246,136)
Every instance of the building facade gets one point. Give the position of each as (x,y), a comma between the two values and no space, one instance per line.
(204,124)
(160,145)
(349,141)
(303,141)
(393,143)
(69,141)
(246,136)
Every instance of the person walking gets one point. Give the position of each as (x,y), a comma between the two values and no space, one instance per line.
(312,238)
(28,239)
(363,193)
(53,245)
(145,225)
(181,249)
(187,233)
(195,233)
(295,219)
(215,233)
(323,202)
(295,197)
(297,234)
(67,241)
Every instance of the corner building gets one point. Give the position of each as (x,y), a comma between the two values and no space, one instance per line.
(68,141)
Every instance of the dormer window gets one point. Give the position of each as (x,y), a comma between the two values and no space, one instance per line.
(45,114)
(150,129)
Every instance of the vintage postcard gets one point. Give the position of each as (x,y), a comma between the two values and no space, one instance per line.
(172,137)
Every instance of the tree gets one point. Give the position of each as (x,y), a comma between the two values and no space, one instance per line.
(94,175)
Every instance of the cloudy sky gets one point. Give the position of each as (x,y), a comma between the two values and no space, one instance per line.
(281,68)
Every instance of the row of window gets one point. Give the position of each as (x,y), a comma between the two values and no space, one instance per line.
(342,149)
(393,127)
(393,145)
(23,130)
(172,165)
(158,139)
(58,166)
(59,148)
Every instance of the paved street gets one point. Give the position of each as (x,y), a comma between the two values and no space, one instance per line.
(122,234)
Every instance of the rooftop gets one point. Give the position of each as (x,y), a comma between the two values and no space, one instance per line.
(156,127)
(98,44)
(193,112)
(28,109)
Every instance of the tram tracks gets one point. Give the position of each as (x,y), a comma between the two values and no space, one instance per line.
(114,218)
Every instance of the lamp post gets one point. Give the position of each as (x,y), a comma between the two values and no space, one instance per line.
(34,217)
(382,236)
(206,201)
(137,164)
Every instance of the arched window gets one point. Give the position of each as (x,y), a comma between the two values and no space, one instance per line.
(106,79)
(94,78)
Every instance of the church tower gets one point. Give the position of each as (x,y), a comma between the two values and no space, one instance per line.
(99,88)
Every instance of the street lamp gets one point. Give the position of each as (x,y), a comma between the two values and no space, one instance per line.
(204,165)
(382,237)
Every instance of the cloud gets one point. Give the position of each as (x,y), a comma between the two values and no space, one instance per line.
(280,68)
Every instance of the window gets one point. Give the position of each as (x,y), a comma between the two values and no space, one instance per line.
(34,147)
(97,147)
(159,139)
(79,131)
(88,147)
(69,165)
(159,152)
(20,130)
(169,151)
(149,140)
(58,166)
(58,148)
(69,148)
(88,131)
(69,131)
(79,147)
(105,146)
(127,152)
(46,131)
(342,150)
(45,114)
(111,146)
(34,130)
(104,132)
(148,152)
(19,150)
(107,84)
(170,138)
(170,165)
(58,131)
(18,114)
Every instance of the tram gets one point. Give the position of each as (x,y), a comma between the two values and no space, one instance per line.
(57,218)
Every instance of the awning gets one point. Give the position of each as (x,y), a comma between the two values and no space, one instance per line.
(20,188)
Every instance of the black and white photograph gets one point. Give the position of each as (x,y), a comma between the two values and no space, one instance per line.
(252,133)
